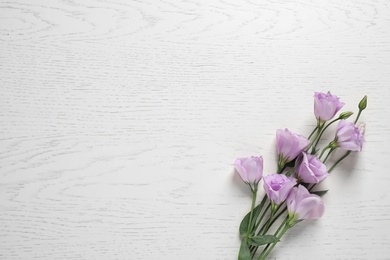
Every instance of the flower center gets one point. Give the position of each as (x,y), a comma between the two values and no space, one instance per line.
(276,185)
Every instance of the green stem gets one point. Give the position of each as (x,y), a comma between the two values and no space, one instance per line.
(322,132)
(261,207)
(319,127)
(272,222)
(277,216)
(281,164)
(257,225)
(339,160)
(265,228)
(254,220)
(266,250)
(313,132)
(358,115)
(323,151)
(281,225)
(326,158)
(262,216)
(276,232)
(254,194)
(290,172)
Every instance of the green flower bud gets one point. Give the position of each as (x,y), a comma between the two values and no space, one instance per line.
(363,103)
(345,115)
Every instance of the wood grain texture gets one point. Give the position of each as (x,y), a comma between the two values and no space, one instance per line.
(120,120)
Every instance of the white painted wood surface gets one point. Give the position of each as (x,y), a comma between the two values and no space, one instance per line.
(120,120)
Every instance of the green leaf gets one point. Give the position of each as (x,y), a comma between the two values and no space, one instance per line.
(319,192)
(245,253)
(262,240)
(245,221)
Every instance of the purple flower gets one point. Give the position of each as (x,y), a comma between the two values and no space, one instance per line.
(349,136)
(289,145)
(278,186)
(326,106)
(303,205)
(311,169)
(250,169)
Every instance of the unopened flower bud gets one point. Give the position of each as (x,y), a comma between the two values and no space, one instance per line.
(363,103)
(345,115)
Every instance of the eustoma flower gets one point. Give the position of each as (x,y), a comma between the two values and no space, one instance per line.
(302,205)
(250,169)
(311,169)
(326,106)
(289,145)
(257,229)
(278,187)
(349,136)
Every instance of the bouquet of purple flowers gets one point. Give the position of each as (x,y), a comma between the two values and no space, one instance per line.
(301,166)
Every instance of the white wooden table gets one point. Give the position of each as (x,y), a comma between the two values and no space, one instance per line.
(120,121)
